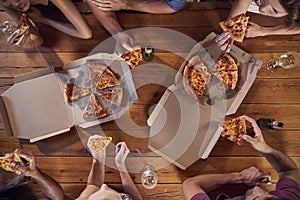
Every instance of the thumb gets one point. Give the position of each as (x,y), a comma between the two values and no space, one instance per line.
(248,138)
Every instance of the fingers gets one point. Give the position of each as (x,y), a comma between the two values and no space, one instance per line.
(248,138)
(224,41)
(105,6)
(24,155)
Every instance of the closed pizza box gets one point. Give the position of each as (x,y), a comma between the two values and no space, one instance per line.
(34,107)
(183,130)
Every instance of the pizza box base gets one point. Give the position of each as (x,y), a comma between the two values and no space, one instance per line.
(181,145)
(181,130)
(34,107)
(210,52)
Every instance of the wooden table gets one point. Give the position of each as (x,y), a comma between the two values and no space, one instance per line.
(66,159)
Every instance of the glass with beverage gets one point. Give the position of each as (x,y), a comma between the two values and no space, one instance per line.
(149,177)
(8,27)
(287,60)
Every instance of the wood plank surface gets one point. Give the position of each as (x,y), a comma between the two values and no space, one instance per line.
(66,158)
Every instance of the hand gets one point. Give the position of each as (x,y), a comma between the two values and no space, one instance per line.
(111,5)
(224,41)
(257,141)
(254,176)
(253,30)
(29,169)
(123,43)
(121,154)
(35,14)
(99,155)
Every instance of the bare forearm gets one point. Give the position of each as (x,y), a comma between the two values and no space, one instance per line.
(108,19)
(128,184)
(239,7)
(280,30)
(49,186)
(280,162)
(211,182)
(96,176)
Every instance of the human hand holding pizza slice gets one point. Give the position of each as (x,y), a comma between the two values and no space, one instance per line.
(257,142)
(29,168)
(97,146)
(224,41)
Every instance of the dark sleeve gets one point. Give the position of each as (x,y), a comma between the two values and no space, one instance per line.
(200,196)
(287,188)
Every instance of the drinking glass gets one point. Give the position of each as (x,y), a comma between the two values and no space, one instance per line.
(287,60)
(8,27)
(149,177)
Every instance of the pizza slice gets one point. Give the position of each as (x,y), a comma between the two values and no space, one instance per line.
(236,27)
(195,77)
(96,69)
(98,143)
(73,92)
(234,129)
(227,71)
(134,57)
(6,161)
(94,109)
(107,80)
(112,96)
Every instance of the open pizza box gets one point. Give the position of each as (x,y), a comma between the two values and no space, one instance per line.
(183,130)
(34,107)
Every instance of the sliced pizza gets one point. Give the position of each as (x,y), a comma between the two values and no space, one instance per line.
(227,71)
(234,129)
(96,69)
(98,143)
(113,96)
(236,27)
(195,77)
(134,57)
(6,162)
(73,92)
(107,80)
(94,109)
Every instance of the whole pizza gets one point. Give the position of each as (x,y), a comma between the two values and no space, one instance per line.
(105,91)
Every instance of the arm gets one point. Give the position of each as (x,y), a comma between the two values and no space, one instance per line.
(239,7)
(97,173)
(224,40)
(76,26)
(127,182)
(254,30)
(49,187)
(284,165)
(208,182)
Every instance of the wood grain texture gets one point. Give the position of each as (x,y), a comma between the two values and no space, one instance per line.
(66,158)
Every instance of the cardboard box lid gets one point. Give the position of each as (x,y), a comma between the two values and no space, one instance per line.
(27,105)
(182,130)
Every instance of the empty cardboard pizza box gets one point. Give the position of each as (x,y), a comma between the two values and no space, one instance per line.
(34,107)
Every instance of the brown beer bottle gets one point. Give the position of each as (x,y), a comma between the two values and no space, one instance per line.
(270,123)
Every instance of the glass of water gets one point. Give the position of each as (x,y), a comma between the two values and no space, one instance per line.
(149,177)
